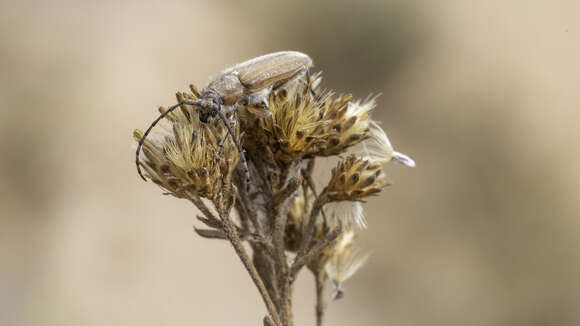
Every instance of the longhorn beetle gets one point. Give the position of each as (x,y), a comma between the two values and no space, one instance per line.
(246,84)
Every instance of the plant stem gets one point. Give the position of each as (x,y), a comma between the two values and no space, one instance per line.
(308,235)
(319,299)
(241,252)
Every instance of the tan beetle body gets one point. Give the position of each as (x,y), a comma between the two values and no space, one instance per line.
(248,83)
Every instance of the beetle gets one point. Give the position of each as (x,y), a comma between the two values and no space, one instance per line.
(246,84)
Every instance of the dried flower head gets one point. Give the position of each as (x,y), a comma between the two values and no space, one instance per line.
(190,158)
(281,211)
(349,124)
(301,125)
(354,179)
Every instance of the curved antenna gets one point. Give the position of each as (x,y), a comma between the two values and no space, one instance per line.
(161,116)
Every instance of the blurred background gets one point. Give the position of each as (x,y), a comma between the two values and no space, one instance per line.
(483,95)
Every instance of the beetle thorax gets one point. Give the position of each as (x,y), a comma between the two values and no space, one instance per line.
(227,87)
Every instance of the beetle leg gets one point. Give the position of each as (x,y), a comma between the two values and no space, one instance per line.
(221,144)
(240,149)
(258,99)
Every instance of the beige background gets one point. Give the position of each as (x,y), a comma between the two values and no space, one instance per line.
(483,94)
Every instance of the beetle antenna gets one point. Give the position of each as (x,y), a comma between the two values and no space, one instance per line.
(142,140)
(237,143)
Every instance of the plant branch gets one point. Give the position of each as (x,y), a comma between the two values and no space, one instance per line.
(245,258)
(268,321)
(320,306)
(194,198)
(308,177)
(210,233)
(281,261)
(308,233)
(246,208)
(316,250)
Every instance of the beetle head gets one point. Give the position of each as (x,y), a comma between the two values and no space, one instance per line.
(208,107)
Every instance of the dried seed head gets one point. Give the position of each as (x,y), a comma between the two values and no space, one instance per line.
(186,160)
(307,124)
(343,261)
(295,127)
(354,179)
(281,141)
(349,123)
(345,214)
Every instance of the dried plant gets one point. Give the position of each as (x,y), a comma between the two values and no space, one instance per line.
(280,214)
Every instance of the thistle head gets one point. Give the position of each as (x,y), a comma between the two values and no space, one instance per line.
(307,123)
(189,159)
(281,211)
(355,178)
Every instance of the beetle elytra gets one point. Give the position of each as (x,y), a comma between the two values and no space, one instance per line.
(246,84)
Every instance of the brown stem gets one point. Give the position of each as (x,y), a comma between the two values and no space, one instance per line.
(281,261)
(286,301)
(308,233)
(264,263)
(198,202)
(319,299)
(210,233)
(241,252)
(316,250)
(246,207)
(308,177)
(212,223)
(268,321)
